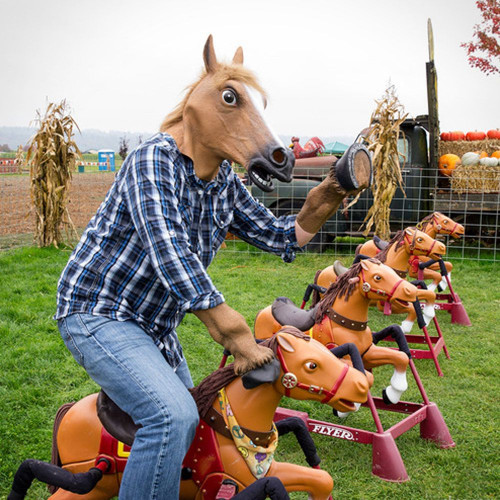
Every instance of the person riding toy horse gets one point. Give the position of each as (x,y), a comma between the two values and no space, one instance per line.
(236,438)
(141,264)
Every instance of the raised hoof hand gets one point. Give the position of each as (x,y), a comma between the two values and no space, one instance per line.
(354,170)
(258,356)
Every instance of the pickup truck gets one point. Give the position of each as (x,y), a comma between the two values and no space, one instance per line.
(406,208)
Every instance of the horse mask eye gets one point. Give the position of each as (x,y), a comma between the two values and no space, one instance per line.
(229,97)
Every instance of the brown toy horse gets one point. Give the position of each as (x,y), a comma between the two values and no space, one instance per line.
(406,244)
(304,369)
(342,316)
(432,225)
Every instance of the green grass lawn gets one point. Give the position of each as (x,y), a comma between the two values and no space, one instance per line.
(37,375)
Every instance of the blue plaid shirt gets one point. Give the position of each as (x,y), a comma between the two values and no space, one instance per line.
(144,254)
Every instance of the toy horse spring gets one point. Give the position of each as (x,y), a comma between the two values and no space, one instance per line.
(303,369)
(432,225)
(342,316)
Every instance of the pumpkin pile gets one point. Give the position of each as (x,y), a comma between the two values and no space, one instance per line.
(459,143)
(471,160)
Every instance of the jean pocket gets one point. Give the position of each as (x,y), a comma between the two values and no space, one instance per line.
(90,324)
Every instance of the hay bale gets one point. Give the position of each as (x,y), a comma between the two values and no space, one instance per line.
(459,148)
(476,179)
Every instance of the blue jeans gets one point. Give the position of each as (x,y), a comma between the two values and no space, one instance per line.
(125,362)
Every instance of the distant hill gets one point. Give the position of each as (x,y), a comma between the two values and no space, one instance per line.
(99,139)
(88,139)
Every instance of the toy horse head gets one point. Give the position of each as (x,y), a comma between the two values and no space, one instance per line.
(222,117)
(442,224)
(306,369)
(419,243)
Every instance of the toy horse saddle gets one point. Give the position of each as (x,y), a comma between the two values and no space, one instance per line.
(118,423)
(380,243)
(287,313)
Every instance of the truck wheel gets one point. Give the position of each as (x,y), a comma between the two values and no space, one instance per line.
(321,240)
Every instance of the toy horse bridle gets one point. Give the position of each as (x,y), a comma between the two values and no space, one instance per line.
(366,287)
(412,244)
(439,227)
(289,381)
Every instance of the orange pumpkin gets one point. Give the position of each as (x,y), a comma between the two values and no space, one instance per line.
(482,154)
(447,163)
(457,135)
(475,136)
(496,154)
(493,134)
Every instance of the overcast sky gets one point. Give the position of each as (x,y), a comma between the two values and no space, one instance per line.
(123,64)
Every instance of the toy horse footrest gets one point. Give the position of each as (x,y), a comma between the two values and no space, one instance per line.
(118,423)
(287,313)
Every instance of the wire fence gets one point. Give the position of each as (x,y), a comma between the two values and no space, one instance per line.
(475,204)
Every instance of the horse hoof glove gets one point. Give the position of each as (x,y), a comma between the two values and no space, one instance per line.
(354,169)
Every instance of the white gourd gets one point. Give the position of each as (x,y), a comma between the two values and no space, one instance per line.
(470,159)
(488,162)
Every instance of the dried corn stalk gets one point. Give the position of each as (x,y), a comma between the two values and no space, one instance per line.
(54,154)
(382,140)
(20,159)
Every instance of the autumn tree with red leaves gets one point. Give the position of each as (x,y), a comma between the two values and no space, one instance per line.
(484,49)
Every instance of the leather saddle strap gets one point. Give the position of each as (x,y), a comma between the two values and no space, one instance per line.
(216,421)
(350,324)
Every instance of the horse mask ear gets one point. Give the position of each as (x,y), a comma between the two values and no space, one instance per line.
(238,56)
(209,57)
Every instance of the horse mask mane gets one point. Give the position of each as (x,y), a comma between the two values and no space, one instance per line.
(205,393)
(342,287)
(221,73)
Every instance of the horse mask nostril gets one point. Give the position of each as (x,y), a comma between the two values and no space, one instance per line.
(279,157)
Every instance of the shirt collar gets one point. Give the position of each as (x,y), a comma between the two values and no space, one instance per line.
(218,184)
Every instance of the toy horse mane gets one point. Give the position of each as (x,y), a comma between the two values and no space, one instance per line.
(426,221)
(398,238)
(205,393)
(223,73)
(339,288)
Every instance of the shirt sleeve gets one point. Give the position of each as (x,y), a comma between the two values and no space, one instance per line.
(151,195)
(257,225)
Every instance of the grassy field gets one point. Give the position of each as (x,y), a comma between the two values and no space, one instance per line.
(37,375)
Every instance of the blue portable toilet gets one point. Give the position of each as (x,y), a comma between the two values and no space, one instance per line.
(106,157)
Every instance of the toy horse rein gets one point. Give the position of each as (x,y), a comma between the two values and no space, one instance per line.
(290,381)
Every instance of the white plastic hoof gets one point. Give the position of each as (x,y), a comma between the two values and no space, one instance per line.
(344,414)
(443,284)
(392,394)
(399,382)
(406,326)
(428,312)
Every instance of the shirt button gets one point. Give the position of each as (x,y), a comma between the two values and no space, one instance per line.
(171,233)
(200,192)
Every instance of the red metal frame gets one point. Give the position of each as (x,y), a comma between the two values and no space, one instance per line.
(386,459)
(436,344)
(453,304)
